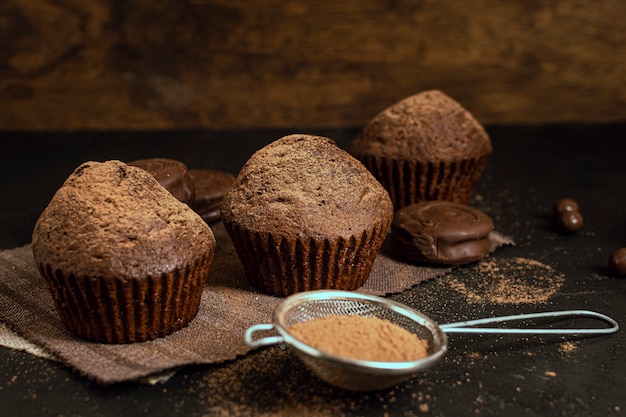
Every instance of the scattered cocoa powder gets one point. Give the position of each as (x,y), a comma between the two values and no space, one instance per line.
(364,338)
(567,347)
(510,281)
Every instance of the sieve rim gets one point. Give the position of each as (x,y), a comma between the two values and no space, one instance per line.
(381,367)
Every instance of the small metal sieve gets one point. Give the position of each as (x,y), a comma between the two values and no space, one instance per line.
(361,375)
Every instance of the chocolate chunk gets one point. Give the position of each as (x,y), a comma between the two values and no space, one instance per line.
(210,186)
(440,232)
(171,174)
(617,262)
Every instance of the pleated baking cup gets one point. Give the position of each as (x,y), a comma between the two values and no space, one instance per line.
(126,310)
(409,182)
(282,266)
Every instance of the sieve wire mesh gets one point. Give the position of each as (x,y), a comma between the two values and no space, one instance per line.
(320,308)
(350,373)
(355,374)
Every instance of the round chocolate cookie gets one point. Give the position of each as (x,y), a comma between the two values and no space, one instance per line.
(171,174)
(440,232)
(210,187)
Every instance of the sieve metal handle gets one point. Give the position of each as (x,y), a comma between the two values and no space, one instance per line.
(263,341)
(462,326)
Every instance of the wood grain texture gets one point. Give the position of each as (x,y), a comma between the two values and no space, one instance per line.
(187,64)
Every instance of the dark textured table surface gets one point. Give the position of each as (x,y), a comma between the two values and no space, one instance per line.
(481,375)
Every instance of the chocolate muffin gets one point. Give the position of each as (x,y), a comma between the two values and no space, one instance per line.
(124,260)
(305,215)
(425,147)
(441,233)
(171,174)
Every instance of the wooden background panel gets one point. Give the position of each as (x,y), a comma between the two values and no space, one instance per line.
(172,64)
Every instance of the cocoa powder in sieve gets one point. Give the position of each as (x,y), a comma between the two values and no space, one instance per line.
(363,338)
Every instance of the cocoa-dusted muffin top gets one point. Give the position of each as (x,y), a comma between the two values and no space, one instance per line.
(305,185)
(426,126)
(112,219)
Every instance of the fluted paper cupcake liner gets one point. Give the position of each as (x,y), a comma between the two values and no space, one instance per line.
(123,310)
(283,266)
(409,182)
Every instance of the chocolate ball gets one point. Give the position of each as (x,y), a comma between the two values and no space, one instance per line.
(570,221)
(617,262)
(564,205)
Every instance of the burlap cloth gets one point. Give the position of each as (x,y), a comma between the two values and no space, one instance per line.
(229,306)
